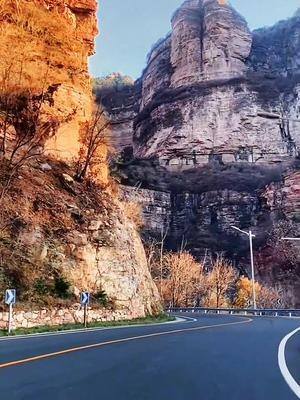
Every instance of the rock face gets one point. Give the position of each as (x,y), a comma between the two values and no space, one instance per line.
(214,93)
(207,42)
(110,256)
(214,89)
(201,221)
(60,55)
(94,247)
(75,237)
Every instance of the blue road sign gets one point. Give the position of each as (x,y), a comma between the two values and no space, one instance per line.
(10,296)
(85,298)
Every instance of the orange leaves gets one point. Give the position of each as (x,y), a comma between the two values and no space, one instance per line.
(183,275)
(221,280)
(266,297)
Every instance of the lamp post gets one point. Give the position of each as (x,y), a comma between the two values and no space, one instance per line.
(250,236)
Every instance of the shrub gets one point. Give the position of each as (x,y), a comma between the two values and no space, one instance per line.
(102,298)
(41,287)
(62,288)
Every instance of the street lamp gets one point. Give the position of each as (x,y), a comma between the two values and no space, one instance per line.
(250,236)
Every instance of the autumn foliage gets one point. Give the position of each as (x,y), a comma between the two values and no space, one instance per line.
(265,297)
(185,282)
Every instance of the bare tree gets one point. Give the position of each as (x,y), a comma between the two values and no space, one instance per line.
(93,139)
(23,127)
(151,252)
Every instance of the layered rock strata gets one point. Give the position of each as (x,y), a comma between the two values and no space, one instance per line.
(214,89)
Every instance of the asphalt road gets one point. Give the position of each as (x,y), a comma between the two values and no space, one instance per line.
(215,357)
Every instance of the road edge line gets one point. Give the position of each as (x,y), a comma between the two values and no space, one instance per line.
(288,377)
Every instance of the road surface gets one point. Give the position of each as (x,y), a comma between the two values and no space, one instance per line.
(215,357)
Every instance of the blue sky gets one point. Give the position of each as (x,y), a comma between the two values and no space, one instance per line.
(128,28)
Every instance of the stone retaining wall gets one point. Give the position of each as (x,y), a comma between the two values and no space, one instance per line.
(59,316)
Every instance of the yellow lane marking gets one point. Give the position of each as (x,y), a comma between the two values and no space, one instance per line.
(96,345)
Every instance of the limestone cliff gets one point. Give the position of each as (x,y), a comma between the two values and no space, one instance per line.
(45,44)
(214,89)
(216,135)
(58,236)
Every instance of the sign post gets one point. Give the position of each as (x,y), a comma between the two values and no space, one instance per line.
(85,301)
(10,300)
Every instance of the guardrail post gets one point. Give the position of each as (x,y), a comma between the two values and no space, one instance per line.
(276,314)
(205,311)
(290,314)
(245,313)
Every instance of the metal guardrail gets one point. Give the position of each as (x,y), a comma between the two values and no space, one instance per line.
(239,311)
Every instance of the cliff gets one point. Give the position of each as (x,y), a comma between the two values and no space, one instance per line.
(214,89)
(216,137)
(58,236)
(45,45)
(62,237)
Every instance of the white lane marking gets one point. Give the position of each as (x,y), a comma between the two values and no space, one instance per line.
(88,330)
(294,386)
(128,339)
(189,318)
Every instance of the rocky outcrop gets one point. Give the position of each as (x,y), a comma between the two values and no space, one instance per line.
(57,59)
(205,91)
(208,41)
(58,236)
(110,256)
(214,90)
(215,94)
(71,237)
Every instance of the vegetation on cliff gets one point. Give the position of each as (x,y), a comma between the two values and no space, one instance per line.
(62,228)
(114,90)
(29,29)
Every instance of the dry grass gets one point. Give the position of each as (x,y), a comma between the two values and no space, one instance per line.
(134,213)
(39,41)
(39,210)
